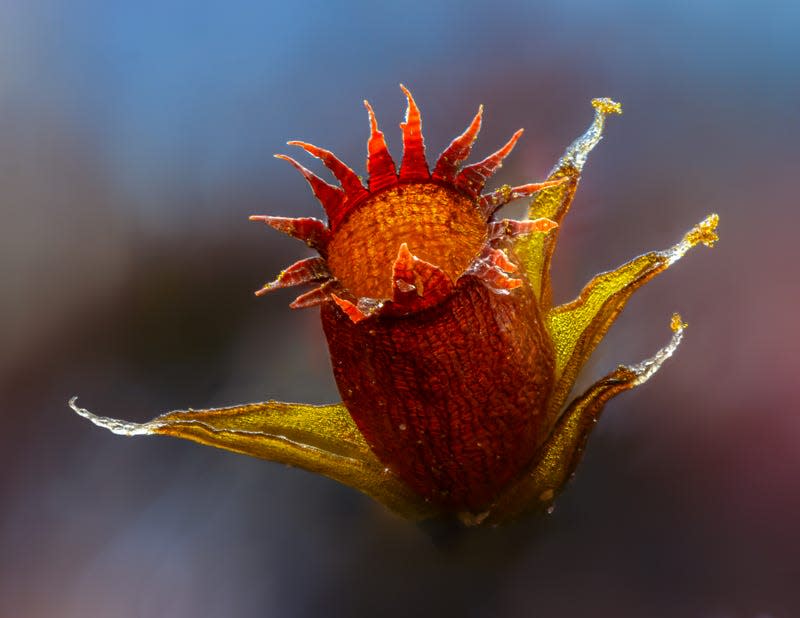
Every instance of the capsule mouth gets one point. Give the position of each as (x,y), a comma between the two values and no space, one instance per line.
(437,224)
(402,242)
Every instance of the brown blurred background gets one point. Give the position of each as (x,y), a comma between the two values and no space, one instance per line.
(136,138)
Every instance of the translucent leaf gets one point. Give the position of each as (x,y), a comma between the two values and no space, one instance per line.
(577,327)
(321,439)
(536,251)
(560,455)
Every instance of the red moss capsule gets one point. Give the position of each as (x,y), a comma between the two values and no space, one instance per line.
(440,355)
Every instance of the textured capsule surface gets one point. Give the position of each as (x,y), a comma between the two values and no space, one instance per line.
(452,398)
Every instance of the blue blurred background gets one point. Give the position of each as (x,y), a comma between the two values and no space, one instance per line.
(136,138)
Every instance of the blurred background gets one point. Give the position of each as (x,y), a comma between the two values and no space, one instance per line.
(136,138)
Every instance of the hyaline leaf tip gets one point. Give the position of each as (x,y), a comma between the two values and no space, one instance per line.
(677,323)
(647,368)
(120,428)
(575,156)
(704,233)
(607,106)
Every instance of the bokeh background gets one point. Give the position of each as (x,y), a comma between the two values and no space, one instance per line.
(136,138)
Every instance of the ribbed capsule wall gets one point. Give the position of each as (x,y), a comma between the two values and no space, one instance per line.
(451,399)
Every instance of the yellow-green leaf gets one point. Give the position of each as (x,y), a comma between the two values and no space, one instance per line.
(322,439)
(577,327)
